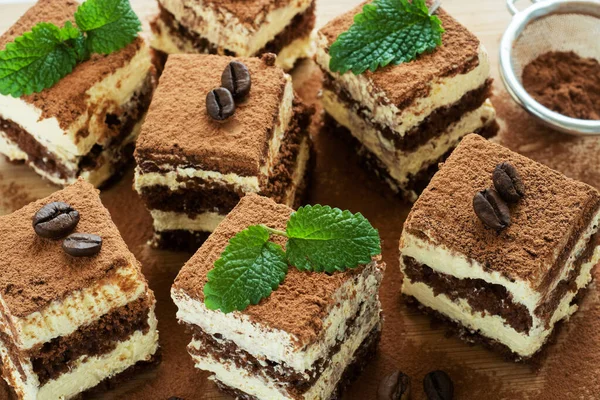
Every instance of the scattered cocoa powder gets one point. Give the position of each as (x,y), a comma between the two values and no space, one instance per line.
(566,83)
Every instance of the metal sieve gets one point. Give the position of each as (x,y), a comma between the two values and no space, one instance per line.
(549,25)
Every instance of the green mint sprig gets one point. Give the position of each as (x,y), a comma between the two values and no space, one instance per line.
(319,239)
(386,32)
(38,59)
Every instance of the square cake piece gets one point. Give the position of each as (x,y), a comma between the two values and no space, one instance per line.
(239,28)
(85,125)
(405,119)
(192,170)
(510,286)
(69,323)
(307,340)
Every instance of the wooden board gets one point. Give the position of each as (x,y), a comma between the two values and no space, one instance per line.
(411,341)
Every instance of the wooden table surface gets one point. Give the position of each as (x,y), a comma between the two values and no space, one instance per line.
(405,328)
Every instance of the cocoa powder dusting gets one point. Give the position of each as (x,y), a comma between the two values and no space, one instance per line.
(566,83)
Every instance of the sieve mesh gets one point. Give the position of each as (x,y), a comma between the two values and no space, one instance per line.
(556,32)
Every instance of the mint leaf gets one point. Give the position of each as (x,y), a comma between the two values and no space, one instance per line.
(38,59)
(328,239)
(387,31)
(249,269)
(110,25)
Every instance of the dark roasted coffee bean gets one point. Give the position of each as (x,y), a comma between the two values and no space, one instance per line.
(508,183)
(395,386)
(491,209)
(236,79)
(82,245)
(438,386)
(175,398)
(220,104)
(55,220)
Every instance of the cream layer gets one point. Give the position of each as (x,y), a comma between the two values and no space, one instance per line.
(299,173)
(268,343)
(106,96)
(402,165)
(445,261)
(226,31)
(208,221)
(86,372)
(175,177)
(494,326)
(82,307)
(443,92)
(263,387)
(296,50)
(107,160)
(170,221)
(168,42)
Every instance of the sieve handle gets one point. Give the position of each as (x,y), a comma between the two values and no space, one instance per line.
(513,9)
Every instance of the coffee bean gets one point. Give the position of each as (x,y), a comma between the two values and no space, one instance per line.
(175,398)
(236,79)
(438,386)
(220,104)
(82,245)
(508,182)
(395,386)
(55,220)
(491,209)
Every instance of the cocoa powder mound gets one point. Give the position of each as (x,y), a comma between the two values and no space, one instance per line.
(566,83)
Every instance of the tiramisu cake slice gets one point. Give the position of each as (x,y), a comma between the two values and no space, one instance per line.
(192,169)
(74,311)
(85,125)
(307,340)
(237,28)
(407,118)
(507,270)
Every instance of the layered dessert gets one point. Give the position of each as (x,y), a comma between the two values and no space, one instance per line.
(307,340)
(192,170)
(511,286)
(236,28)
(85,125)
(69,324)
(405,119)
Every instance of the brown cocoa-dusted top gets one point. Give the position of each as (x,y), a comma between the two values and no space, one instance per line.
(405,82)
(303,300)
(546,223)
(36,271)
(66,100)
(179,130)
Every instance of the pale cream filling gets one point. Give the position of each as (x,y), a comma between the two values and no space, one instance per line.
(208,221)
(104,97)
(108,160)
(226,31)
(266,343)
(443,92)
(175,178)
(445,261)
(299,173)
(401,164)
(82,307)
(297,49)
(90,371)
(167,42)
(10,149)
(494,326)
(170,220)
(259,387)
(87,371)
